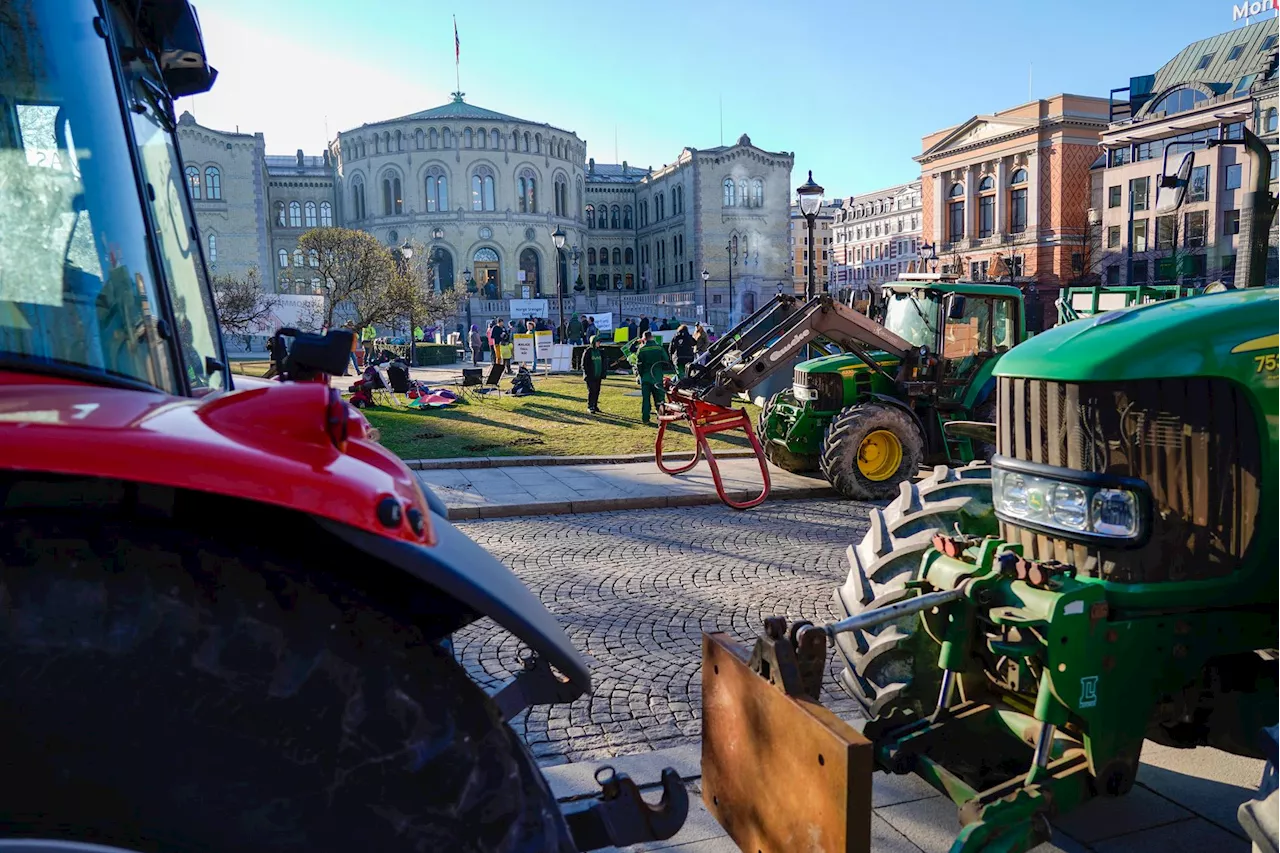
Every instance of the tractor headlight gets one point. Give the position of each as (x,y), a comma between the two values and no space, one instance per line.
(1078,505)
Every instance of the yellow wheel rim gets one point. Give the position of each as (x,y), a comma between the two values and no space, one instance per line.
(879,455)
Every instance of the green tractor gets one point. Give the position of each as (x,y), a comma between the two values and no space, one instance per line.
(865,428)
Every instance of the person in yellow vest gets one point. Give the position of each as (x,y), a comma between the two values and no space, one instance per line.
(367,337)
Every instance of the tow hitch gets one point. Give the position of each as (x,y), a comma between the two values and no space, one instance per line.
(619,816)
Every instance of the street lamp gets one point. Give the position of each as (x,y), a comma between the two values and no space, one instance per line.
(557,238)
(809,195)
(706,306)
(929,252)
(779,288)
(403,254)
(728,248)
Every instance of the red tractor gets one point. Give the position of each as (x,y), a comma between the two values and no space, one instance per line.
(225,610)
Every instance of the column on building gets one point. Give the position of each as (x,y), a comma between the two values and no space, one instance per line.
(939,211)
(1002,197)
(971,173)
(1033,193)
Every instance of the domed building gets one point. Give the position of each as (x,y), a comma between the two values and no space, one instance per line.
(482,189)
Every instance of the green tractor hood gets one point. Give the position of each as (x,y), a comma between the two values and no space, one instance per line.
(1222,334)
(847,364)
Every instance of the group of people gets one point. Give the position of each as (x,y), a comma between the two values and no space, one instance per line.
(654,363)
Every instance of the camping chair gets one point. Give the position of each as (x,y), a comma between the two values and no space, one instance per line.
(386,396)
(490,382)
(465,383)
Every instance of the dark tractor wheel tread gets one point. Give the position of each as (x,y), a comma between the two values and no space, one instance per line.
(881,666)
(843,438)
(204,690)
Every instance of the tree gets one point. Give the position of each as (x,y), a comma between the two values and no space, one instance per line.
(1082,241)
(411,296)
(357,270)
(242,305)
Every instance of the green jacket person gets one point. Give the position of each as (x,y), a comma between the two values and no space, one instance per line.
(652,364)
(595,365)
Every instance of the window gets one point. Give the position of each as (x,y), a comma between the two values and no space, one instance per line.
(757,191)
(957,221)
(295,215)
(561,189)
(482,194)
(617,257)
(357,200)
(1165,228)
(1235,130)
(730,193)
(213,182)
(1181,100)
(1140,272)
(615,220)
(1198,189)
(1113,196)
(433,138)
(309,213)
(1138,193)
(1230,222)
(418,139)
(526,192)
(466,138)
(213,250)
(1196,225)
(628,257)
(986,215)
(284,258)
(1113,237)
(604,257)
(987,183)
(591,216)
(297,257)
(313,258)
(1242,88)
(193,181)
(448,138)
(1227,267)
(1231,178)
(326,215)
(1235,53)
(1272,172)
(1119,156)
(1269,44)
(591,257)
(1113,274)
(1019,176)
(1204,62)
(1139,235)
(392,198)
(1269,120)
(626,215)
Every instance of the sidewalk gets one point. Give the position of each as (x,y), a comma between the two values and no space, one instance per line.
(557,489)
(1184,800)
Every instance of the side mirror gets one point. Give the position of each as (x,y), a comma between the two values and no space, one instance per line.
(312,355)
(956,311)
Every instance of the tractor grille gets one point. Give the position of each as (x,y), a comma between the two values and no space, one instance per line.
(830,388)
(1195,442)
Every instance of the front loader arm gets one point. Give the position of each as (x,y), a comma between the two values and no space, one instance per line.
(728,374)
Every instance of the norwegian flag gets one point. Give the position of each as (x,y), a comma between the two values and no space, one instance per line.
(457,43)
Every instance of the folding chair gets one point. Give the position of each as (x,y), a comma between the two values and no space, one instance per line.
(491,381)
(384,396)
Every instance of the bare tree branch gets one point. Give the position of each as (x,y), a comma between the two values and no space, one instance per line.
(358,272)
(242,304)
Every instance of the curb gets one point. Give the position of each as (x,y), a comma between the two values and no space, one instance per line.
(468,513)
(524,461)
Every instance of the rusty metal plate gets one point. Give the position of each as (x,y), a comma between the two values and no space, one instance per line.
(781,774)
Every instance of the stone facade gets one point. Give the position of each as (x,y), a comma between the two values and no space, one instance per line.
(823,259)
(876,236)
(300,195)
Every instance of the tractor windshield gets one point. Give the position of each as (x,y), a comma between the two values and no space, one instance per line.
(79,293)
(913,318)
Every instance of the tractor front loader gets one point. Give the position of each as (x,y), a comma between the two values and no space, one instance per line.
(1016,631)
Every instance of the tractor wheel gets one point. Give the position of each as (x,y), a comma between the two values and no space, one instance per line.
(777,454)
(185,690)
(869,449)
(893,665)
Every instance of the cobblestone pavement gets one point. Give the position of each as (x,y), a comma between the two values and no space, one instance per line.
(635,589)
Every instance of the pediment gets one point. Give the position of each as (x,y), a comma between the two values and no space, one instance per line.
(976,130)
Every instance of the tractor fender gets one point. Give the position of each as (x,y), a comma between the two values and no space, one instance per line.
(895,402)
(462,569)
(984,393)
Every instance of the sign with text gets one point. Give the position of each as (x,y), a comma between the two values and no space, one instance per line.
(1248,10)
(604,322)
(291,309)
(543,344)
(526,308)
(524,349)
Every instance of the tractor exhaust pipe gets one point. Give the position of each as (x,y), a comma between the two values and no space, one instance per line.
(889,612)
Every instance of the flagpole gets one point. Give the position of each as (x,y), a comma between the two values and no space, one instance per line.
(457,57)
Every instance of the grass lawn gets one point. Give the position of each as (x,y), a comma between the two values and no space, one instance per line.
(552,422)
(250,368)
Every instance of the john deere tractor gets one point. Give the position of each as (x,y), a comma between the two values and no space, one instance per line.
(862,426)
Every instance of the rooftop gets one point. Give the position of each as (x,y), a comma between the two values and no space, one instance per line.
(459,109)
(615,173)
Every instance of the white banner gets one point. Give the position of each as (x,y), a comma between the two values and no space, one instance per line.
(291,310)
(543,342)
(524,349)
(604,322)
(528,308)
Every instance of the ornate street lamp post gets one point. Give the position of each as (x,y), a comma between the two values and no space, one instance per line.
(557,238)
(403,254)
(809,195)
(706,306)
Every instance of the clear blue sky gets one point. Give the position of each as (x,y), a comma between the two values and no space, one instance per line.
(849,86)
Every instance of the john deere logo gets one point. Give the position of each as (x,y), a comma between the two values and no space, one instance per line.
(1088,691)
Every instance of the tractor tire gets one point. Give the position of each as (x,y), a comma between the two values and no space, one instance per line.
(844,452)
(777,454)
(198,690)
(892,665)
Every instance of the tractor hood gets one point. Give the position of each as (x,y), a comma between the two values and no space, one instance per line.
(1199,336)
(846,363)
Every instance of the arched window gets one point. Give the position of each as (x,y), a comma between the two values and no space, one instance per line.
(399,141)
(526,141)
(578,194)
(531,266)
(591,257)
(280,220)
(743,198)
(437,185)
(482,194)
(315,285)
(730,193)
(357,200)
(433,138)
(515,140)
(626,216)
(591,216)
(392,197)
(297,257)
(284,258)
(466,138)
(987,183)
(1179,101)
(617,257)
(1269,121)
(212,183)
(1019,177)
(295,215)
(213,250)
(313,258)
(604,257)
(309,214)
(617,280)
(326,214)
(615,217)
(757,193)
(629,257)
(448,138)
(537,143)
(631,281)
(418,139)
(527,189)
(193,181)
(561,196)
(957,191)
(482,138)
(494,140)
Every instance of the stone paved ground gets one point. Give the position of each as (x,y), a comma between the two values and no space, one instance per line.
(635,589)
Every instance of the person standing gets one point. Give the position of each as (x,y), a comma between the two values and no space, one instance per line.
(652,365)
(700,342)
(594,368)
(632,330)
(476,342)
(589,329)
(368,336)
(498,339)
(682,350)
(644,325)
(575,330)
